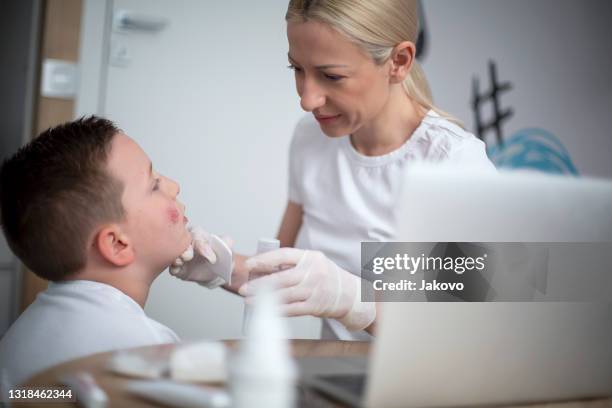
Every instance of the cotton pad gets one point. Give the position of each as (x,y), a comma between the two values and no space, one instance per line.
(199,362)
(225,263)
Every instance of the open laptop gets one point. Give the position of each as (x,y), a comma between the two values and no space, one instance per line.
(468,354)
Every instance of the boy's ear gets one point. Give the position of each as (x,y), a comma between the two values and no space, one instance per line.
(115,246)
(401,58)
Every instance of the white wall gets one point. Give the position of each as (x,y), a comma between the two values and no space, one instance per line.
(556,53)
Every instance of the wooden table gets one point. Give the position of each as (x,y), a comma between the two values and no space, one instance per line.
(113,384)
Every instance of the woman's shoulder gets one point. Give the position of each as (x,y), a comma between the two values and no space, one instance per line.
(439,138)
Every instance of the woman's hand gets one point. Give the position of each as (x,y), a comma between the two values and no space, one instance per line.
(313,285)
(193,264)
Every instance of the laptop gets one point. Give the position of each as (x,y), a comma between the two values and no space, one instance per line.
(470,354)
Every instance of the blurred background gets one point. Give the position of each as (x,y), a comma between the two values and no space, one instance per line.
(203,87)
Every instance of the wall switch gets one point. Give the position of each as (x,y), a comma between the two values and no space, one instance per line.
(59,79)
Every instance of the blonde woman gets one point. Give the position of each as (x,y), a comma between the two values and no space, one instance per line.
(370,116)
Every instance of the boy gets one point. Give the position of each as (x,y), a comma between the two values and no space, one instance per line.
(82,207)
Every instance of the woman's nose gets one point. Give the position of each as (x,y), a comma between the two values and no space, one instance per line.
(311,96)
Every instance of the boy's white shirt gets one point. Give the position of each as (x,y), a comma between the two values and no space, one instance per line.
(74,319)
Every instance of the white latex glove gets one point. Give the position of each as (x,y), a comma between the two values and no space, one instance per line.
(192,264)
(314,285)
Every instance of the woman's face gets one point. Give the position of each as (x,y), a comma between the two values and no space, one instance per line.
(335,79)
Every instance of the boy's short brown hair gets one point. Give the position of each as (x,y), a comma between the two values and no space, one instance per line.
(55,191)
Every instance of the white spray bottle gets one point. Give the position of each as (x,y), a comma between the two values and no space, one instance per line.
(263,245)
(262,373)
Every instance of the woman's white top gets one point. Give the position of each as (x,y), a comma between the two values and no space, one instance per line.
(348,197)
(74,319)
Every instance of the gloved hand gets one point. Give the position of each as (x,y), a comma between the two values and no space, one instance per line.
(314,285)
(192,264)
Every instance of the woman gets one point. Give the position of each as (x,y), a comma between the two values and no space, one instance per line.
(370,117)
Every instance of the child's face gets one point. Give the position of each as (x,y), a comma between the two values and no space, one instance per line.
(155,220)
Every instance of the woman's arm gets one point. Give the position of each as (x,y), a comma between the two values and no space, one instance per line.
(291,224)
(287,233)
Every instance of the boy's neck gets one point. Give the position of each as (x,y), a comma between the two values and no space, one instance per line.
(133,284)
(137,291)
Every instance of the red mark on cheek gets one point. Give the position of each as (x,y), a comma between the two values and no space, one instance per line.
(173,215)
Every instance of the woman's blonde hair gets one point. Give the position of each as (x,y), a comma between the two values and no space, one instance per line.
(377,26)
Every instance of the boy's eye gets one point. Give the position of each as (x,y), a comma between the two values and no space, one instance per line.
(294,68)
(156,184)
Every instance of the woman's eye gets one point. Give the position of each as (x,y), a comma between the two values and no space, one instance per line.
(156,185)
(333,77)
